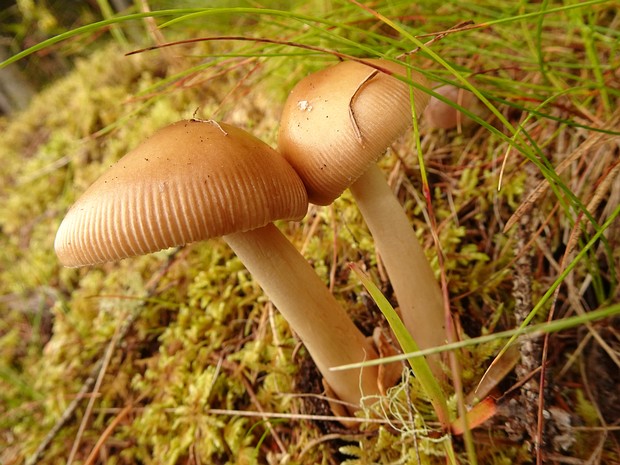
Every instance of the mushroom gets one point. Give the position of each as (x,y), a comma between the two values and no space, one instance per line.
(442,115)
(195,180)
(335,124)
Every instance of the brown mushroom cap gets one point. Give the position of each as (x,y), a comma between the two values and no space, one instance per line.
(335,125)
(190,181)
(338,121)
(441,115)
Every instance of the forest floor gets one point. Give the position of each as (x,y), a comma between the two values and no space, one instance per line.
(179,357)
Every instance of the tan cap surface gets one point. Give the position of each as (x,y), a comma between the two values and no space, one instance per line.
(439,114)
(190,181)
(339,120)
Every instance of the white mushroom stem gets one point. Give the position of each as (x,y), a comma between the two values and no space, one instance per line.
(321,323)
(417,291)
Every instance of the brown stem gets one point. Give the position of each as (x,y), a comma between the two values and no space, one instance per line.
(415,286)
(314,314)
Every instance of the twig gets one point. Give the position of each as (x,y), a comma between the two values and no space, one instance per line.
(104,436)
(66,415)
(265,40)
(126,325)
(296,416)
(105,362)
(437,36)
(258,406)
(522,293)
(86,387)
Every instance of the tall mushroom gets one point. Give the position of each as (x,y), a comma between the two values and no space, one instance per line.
(195,180)
(334,126)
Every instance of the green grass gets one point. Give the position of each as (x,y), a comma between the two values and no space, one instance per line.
(206,339)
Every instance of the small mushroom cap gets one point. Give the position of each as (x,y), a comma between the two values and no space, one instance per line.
(190,181)
(441,115)
(339,120)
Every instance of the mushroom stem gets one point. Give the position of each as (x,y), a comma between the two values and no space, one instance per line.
(305,302)
(416,289)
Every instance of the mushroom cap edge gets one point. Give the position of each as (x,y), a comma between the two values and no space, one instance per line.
(190,181)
